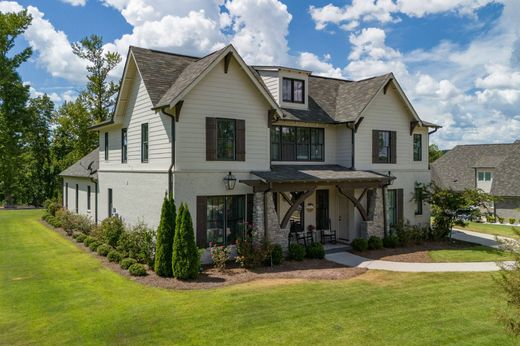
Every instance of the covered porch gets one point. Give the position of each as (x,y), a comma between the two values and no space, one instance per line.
(328,198)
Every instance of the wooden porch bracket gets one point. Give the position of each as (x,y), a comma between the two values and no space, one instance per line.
(295,205)
(355,201)
(413,125)
(178,107)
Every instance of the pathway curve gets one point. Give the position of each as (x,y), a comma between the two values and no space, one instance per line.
(351,260)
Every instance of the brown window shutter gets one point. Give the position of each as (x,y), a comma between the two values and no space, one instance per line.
(375,145)
(211,139)
(393,149)
(250,206)
(400,206)
(241,140)
(201,221)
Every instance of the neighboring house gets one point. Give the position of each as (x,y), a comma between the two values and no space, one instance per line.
(274,146)
(493,168)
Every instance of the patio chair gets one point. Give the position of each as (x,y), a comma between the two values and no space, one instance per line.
(298,234)
(328,235)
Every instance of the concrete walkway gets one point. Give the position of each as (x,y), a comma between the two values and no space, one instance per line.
(479,238)
(351,260)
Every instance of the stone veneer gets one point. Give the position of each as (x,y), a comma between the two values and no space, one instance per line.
(266,219)
(376,226)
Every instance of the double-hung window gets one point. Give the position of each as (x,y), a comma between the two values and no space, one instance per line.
(297,143)
(484,176)
(226,139)
(417,147)
(383,146)
(293,90)
(144,142)
(124,145)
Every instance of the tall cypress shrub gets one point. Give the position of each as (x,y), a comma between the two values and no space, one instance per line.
(165,233)
(185,261)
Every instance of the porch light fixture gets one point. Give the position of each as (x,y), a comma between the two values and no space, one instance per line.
(230,180)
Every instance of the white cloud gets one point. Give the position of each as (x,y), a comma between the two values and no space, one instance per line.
(75,2)
(58,98)
(10,6)
(499,76)
(320,67)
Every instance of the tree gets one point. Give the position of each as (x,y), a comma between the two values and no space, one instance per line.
(434,152)
(165,234)
(99,96)
(510,281)
(14,95)
(185,260)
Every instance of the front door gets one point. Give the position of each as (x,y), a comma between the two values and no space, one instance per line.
(343,220)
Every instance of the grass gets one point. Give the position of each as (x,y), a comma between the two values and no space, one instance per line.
(502,230)
(51,292)
(470,254)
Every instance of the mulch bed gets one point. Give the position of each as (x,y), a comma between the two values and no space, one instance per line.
(288,271)
(414,253)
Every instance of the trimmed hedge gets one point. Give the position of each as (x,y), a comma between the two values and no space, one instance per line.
(359,244)
(114,256)
(104,249)
(94,245)
(375,243)
(277,254)
(296,252)
(88,240)
(137,269)
(81,237)
(315,250)
(391,241)
(127,262)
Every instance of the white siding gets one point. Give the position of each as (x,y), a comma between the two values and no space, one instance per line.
(83,184)
(271,80)
(295,75)
(483,184)
(343,146)
(232,95)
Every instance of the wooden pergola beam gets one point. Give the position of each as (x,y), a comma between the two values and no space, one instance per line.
(295,205)
(355,201)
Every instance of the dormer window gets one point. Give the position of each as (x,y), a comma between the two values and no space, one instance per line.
(293,90)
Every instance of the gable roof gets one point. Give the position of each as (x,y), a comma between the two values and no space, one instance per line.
(456,168)
(86,167)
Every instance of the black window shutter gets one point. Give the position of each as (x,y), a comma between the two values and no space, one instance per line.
(400,206)
(393,149)
(211,139)
(249,198)
(241,140)
(375,146)
(201,221)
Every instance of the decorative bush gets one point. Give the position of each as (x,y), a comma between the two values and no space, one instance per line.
(114,256)
(359,244)
(252,251)
(76,234)
(88,240)
(512,220)
(81,237)
(277,254)
(74,222)
(165,237)
(315,250)
(296,252)
(375,243)
(185,257)
(127,262)
(138,243)
(391,241)
(104,249)
(409,234)
(110,230)
(219,256)
(137,269)
(93,245)
(52,206)
(501,219)
(54,221)
(491,219)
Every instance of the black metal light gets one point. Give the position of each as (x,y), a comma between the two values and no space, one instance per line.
(230,180)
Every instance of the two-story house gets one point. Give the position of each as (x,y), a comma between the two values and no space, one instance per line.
(274,146)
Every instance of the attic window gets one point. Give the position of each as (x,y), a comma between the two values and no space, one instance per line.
(293,90)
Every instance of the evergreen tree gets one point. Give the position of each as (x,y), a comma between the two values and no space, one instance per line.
(165,232)
(185,260)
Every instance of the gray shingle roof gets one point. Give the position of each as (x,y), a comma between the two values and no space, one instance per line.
(456,168)
(86,167)
(316,173)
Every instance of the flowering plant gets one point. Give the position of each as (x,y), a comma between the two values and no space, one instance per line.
(219,255)
(311,228)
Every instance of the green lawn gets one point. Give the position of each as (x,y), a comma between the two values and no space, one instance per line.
(506,231)
(470,254)
(51,292)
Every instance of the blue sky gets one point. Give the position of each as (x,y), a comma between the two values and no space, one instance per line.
(458,60)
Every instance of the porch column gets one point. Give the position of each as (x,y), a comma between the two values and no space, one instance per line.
(274,233)
(259,214)
(376,226)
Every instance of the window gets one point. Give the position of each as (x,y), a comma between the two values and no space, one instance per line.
(88,197)
(226,135)
(225,219)
(293,90)
(77,199)
(392,208)
(383,150)
(124,145)
(417,147)
(106,146)
(144,142)
(297,143)
(110,203)
(418,201)
(484,176)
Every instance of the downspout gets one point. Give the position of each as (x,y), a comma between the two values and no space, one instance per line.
(172,164)
(432,132)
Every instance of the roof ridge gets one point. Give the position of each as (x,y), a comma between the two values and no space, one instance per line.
(333,78)
(168,53)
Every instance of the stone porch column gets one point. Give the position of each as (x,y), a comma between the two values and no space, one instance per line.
(266,219)
(376,226)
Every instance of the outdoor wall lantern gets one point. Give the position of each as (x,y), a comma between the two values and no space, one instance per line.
(230,180)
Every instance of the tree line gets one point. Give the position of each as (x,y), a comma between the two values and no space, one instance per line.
(37,139)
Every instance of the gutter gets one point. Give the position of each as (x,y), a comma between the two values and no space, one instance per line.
(172,164)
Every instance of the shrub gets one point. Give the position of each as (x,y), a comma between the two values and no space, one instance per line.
(74,222)
(315,250)
(391,241)
(251,250)
(138,243)
(110,230)
(409,234)
(137,269)
(512,220)
(54,221)
(76,234)
(81,237)
(165,238)
(296,252)
(104,249)
(501,219)
(93,245)
(185,257)
(491,219)
(127,262)
(359,244)
(375,243)
(276,254)
(114,256)
(87,240)
(219,256)
(51,206)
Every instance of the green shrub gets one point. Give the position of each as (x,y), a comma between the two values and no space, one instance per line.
(74,222)
(127,262)
(252,251)
(296,252)
(138,243)
(51,206)
(315,250)
(409,234)
(114,256)
(501,219)
(54,221)
(359,244)
(110,230)
(104,249)
(81,237)
(185,257)
(512,220)
(375,243)
(87,240)
(220,255)
(137,269)
(165,239)
(276,254)
(491,219)
(391,241)
(93,245)
(76,234)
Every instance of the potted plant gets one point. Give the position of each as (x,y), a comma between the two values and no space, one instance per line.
(311,228)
